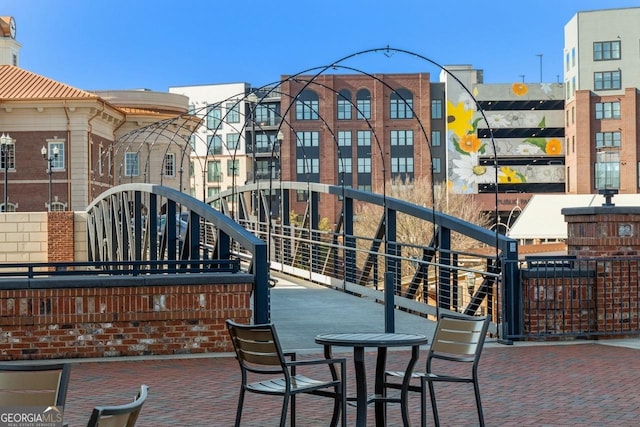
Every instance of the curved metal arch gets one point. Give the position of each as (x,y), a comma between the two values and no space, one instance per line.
(112,222)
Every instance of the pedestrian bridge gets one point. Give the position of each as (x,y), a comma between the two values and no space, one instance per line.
(146,222)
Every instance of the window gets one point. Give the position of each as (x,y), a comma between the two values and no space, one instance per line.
(307,166)
(11,207)
(57,164)
(606,51)
(192,168)
(401,104)
(10,150)
(608,139)
(307,139)
(573,57)
(213,191)
(131,165)
(401,137)
(436,138)
(566,60)
(233,112)
(344,105)
(436,109)
(266,114)
(233,167)
(607,171)
(573,85)
(344,138)
(302,195)
(192,141)
(170,165)
(345,165)
(364,187)
(263,142)
(607,110)
(214,114)
(402,165)
(262,169)
(57,206)
(606,80)
(364,138)
(307,105)
(364,165)
(214,145)
(100,161)
(437,168)
(233,141)
(214,172)
(363,104)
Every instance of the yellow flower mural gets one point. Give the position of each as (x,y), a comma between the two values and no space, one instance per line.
(519,89)
(459,119)
(510,176)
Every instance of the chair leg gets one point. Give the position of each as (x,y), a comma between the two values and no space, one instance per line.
(336,408)
(283,413)
(240,405)
(423,404)
(434,406)
(476,389)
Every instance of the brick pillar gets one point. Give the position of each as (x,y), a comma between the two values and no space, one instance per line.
(60,243)
(608,238)
(603,231)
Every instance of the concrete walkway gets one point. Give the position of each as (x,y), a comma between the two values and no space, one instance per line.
(590,383)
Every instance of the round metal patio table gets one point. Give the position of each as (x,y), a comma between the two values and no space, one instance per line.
(381,341)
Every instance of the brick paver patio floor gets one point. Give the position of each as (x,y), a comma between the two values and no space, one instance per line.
(584,384)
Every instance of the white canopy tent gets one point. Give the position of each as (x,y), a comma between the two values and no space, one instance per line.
(541,219)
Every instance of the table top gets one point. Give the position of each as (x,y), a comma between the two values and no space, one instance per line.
(371,339)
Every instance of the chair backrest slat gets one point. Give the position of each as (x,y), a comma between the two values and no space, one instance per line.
(28,398)
(459,338)
(35,385)
(257,347)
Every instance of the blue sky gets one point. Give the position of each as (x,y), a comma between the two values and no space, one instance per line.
(155,44)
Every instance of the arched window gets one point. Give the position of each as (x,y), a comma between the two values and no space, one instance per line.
(401,104)
(307,105)
(344,105)
(11,207)
(363,103)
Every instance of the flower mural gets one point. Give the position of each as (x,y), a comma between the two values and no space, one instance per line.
(471,157)
(519,89)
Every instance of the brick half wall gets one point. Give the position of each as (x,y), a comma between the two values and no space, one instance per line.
(120,316)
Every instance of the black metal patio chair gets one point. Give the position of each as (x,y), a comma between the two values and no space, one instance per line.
(259,354)
(125,415)
(34,384)
(458,340)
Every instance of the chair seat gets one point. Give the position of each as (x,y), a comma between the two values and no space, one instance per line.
(299,384)
(431,377)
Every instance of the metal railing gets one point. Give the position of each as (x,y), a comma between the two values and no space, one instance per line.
(580,297)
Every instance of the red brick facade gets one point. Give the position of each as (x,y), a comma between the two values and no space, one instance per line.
(60,230)
(598,292)
(120,321)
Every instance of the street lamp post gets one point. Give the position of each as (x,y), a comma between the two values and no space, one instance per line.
(5,140)
(252,98)
(49,160)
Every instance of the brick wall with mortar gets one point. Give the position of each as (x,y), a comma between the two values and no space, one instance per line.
(60,231)
(77,322)
(607,239)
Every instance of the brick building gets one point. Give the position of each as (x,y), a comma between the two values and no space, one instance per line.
(602,112)
(77,129)
(359,131)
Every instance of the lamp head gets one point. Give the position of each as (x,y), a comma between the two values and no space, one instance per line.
(43,151)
